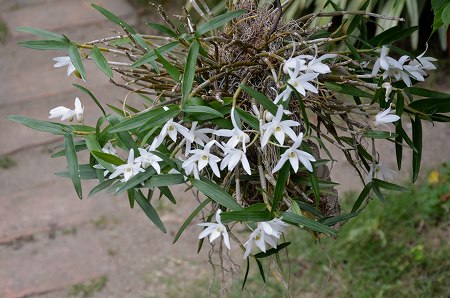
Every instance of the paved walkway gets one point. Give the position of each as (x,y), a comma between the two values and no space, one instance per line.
(50,241)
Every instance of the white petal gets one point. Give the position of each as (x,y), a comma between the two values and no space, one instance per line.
(294,162)
(280,163)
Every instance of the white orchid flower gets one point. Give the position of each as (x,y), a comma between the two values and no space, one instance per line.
(380,172)
(64,61)
(171,129)
(386,116)
(385,62)
(424,62)
(68,114)
(147,159)
(203,157)
(294,155)
(109,149)
(302,83)
(232,156)
(236,135)
(274,228)
(128,170)
(214,230)
(198,136)
(278,128)
(260,238)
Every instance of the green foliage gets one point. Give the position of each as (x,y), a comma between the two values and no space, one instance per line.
(89,289)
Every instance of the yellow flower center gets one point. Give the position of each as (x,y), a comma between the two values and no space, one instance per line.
(292,154)
(171,128)
(205,157)
(278,129)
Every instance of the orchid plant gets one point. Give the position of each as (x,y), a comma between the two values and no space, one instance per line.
(243,108)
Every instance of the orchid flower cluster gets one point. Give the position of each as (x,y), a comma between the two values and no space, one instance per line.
(245,117)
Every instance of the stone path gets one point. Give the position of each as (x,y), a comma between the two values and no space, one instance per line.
(49,240)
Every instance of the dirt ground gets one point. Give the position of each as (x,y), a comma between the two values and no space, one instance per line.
(51,243)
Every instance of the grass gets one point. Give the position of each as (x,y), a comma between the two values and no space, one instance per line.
(4,32)
(395,250)
(5,161)
(89,289)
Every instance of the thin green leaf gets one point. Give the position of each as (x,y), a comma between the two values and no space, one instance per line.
(189,71)
(432,105)
(113,18)
(137,121)
(105,184)
(86,173)
(379,134)
(54,128)
(72,162)
(347,89)
(391,35)
(45,44)
(167,193)
(91,95)
(362,196)
(307,223)
(282,178)
(136,180)
(417,140)
(378,193)
(101,62)
(150,124)
(75,58)
(247,118)
(163,29)
(109,158)
(246,216)
(389,186)
(331,221)
(218,21)
(43,34)
(261,270)
(202,110)
(216,193)
(151,56)
(164,180)
(190,218)
(171,70)
(246,273)
(272,251)
(261,99)
(149,210)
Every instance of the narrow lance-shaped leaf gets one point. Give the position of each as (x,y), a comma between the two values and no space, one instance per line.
(218,21)
(43,33)
(171,70)
(417,140)
(72,163)
(101,62)
(75,58)
(45,44)
(190,218)
(362,196)
(149,210)
(92,96)
(261,99)
(216,193)
(45,126)
(189,71)
(283,176)
(113,18)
